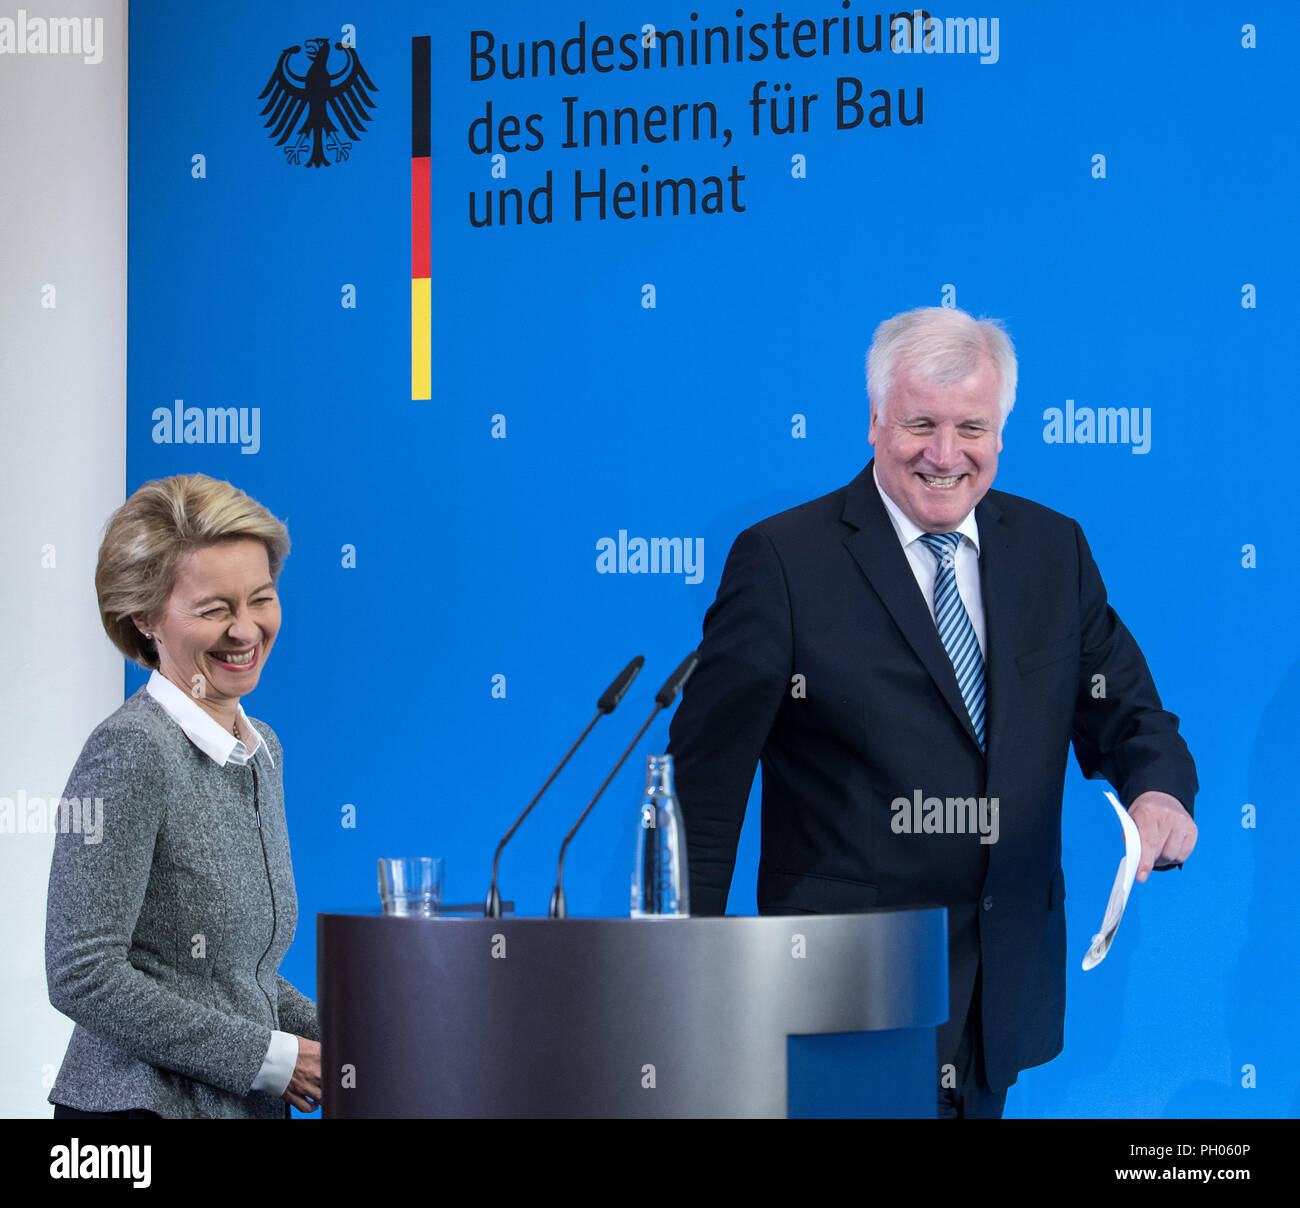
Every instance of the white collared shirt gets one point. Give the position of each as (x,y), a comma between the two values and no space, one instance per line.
(966,562)
(222,747)
(202,729)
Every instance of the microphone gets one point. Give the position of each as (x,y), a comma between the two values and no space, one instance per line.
(663,698)
(609,700)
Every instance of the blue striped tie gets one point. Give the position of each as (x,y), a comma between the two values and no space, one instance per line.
(955,629)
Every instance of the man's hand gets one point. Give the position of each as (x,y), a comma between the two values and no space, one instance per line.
(303,1090)
(1167,830)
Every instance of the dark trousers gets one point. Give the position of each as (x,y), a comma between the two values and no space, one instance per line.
(971,1098)
(72,1113)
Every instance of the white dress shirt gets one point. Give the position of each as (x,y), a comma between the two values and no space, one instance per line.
(222,747)
(966,562)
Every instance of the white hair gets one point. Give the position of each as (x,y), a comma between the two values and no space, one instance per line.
(941,344)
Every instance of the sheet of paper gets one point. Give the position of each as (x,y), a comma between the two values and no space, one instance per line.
(1119,892)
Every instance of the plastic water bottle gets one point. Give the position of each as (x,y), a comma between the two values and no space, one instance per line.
(660,882)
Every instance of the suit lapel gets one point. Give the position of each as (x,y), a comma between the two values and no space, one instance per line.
(876,549)
(999,574)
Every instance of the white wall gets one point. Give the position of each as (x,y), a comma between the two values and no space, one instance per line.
(62,472)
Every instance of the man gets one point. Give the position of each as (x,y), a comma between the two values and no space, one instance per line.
(914,636)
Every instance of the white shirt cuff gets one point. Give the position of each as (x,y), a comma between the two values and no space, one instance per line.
(278,1065)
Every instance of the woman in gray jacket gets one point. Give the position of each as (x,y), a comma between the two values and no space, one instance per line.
(166,924)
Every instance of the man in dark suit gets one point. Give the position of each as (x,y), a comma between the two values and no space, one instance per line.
(910,658)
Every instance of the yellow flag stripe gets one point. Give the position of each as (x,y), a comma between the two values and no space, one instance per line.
(421,339)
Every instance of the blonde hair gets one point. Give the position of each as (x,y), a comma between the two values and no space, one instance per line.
(151,532)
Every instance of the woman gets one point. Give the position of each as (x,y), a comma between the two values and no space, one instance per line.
(164,937)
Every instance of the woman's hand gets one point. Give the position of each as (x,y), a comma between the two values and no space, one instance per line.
(303,1090)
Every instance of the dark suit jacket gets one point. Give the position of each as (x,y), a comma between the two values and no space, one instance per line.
(825,592)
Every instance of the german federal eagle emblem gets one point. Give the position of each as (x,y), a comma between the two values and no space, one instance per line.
(301,105)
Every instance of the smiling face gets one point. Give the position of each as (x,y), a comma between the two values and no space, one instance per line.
(937,445)
(219,624)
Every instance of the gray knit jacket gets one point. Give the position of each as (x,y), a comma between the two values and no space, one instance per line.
(163,940)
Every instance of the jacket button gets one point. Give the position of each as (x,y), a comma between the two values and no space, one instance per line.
(988,902)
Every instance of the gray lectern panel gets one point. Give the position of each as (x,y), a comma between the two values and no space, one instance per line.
(607,1017)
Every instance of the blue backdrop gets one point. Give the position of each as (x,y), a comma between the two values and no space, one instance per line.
(1117,185)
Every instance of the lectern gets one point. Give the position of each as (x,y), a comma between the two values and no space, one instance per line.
(792,1015)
